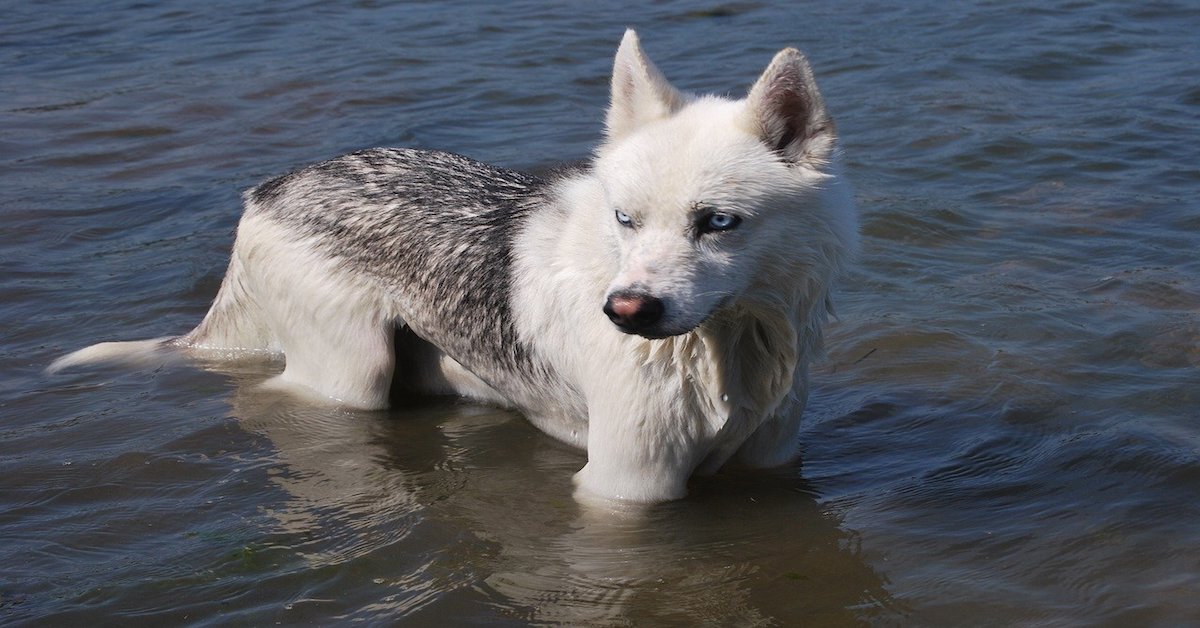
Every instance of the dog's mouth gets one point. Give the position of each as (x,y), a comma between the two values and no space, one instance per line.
(656,332)
(659,329)
(658,336)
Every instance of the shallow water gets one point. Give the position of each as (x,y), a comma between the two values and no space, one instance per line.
(1004,431)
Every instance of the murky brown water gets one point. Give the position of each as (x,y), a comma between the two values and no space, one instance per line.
(1005,432)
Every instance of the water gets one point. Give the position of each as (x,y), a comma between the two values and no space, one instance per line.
(1004,432)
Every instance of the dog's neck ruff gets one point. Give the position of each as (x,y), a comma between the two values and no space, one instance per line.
(741,360)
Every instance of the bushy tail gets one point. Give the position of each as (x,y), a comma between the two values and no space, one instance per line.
(137,353)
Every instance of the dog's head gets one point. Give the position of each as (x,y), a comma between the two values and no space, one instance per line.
(708,201)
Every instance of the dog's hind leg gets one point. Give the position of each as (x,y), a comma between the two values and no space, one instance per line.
(284,294)
(337,335)
(235,323)
(347,358)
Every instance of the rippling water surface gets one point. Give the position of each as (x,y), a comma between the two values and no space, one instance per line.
(1004,432)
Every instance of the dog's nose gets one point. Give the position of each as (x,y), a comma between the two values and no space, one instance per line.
(633,312)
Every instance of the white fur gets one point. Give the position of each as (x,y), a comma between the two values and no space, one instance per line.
(660,409)
(743,308)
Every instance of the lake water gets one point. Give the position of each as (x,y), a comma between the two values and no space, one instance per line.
(1005,431)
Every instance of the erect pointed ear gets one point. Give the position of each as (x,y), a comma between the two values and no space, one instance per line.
(640,93)
(789,113)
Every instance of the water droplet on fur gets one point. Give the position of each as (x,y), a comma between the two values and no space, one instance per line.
(724,397)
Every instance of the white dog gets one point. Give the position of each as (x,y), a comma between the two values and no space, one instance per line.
(658,308)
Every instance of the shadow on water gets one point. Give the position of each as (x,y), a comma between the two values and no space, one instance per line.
(443,507)
(301,513)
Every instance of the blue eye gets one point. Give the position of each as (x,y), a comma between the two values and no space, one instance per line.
(624,219)
(719,221)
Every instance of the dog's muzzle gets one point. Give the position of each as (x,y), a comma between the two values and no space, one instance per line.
(634,312)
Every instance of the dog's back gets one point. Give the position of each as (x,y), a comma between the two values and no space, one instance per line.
(330,259)
(433,229)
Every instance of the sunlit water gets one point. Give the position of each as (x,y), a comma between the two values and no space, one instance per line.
(1004,432)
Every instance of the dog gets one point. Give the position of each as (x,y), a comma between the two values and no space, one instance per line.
(658,307)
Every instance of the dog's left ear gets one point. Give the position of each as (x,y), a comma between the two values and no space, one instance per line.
(640,93)
(789,113)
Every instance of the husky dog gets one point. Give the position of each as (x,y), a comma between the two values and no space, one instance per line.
(658,308)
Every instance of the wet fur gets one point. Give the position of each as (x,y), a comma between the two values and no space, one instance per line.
(496,279)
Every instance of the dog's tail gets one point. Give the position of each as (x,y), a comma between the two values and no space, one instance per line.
(137,353)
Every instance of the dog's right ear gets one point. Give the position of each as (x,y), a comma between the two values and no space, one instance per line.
(789,113)
(640,93)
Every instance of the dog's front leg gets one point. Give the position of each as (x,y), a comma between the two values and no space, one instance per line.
(636,454)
